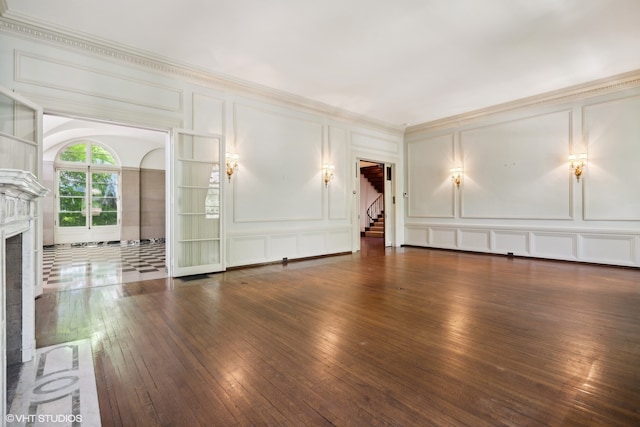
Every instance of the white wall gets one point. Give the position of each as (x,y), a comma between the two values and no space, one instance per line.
(517,193)
(276,204)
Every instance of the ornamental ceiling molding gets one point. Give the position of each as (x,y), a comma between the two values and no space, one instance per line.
(28,28)
(569,94)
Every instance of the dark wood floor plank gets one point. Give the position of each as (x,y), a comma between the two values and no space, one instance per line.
(398,337)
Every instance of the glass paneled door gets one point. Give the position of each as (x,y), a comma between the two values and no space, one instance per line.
(87,206)
(196,204)
(88,195)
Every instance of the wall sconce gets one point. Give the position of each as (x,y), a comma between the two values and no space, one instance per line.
(327,173)
(577,165)
(456,176)
(231,163)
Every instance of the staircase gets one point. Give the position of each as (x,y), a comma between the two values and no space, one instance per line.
(375,175)
(376,229)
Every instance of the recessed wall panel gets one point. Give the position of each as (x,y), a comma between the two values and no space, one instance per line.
(608,249)
(477,240)
(442,237)
(339,185)
(279,173)
(375,143)
(285,246)
(555,245)
(312,244)
(515,242)
(77,78)
(517,169)
(247,250)
(611,179)
(416,236)
(429,186)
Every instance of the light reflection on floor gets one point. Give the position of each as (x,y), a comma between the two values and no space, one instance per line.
(72,267)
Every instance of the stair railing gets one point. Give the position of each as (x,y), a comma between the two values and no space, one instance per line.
(375,209)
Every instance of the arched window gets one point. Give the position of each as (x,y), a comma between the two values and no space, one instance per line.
(88,181)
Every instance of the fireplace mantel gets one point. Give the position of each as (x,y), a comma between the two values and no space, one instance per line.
(18,216)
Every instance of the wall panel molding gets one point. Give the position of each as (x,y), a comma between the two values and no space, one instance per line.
(258,247)
(517,168)
(611,187)
(431,194)
(115,87)
(267,141)
(602,246)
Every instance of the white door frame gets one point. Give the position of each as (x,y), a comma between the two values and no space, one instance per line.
(390,199)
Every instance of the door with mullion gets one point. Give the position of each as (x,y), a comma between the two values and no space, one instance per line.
(87,205)
(196,204)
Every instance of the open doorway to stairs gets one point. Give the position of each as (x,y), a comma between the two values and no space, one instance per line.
(104,218)
(376,204)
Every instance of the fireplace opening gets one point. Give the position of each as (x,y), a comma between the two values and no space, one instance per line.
(13,312)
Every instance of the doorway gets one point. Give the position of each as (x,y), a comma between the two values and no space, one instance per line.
(376,203)
(108,197)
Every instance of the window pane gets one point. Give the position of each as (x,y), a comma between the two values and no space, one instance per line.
(104,198)
(72,183)
(100,156)
(70,219)
(75,153)
(71,204)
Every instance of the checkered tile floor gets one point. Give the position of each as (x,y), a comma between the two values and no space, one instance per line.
(71,267)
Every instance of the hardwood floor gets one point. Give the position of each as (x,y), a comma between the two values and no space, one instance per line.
(416,337)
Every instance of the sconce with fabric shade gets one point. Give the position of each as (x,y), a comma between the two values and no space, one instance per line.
(231,160)
(577,165)
(327,173)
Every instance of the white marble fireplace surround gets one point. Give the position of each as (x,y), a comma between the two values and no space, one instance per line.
(19,191)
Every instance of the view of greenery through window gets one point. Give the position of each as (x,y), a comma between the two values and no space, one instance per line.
(75,185)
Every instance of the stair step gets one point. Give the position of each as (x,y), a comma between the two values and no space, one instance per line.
(374,234)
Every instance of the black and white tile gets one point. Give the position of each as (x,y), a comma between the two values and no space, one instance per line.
(87,265)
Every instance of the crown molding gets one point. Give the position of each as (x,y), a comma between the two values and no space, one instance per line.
(572,93)
(30,28)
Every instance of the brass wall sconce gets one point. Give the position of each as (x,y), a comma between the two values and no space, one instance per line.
(231,161)
(578,165)
(456,176)
(327,173)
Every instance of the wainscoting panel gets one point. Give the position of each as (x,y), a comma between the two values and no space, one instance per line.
(77,78)
(443,237)
(554,245)
(615,247)
(247,250)
(611,181)
(430,190)
(516,242)
(280,155)
(475,240)
(609,249)
(517,169)
(270,246)
(283,246)
(416,236)
(339,240)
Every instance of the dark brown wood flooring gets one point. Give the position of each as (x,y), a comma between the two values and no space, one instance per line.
(407,336)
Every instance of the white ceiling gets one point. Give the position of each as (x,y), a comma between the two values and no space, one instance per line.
(400,61)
